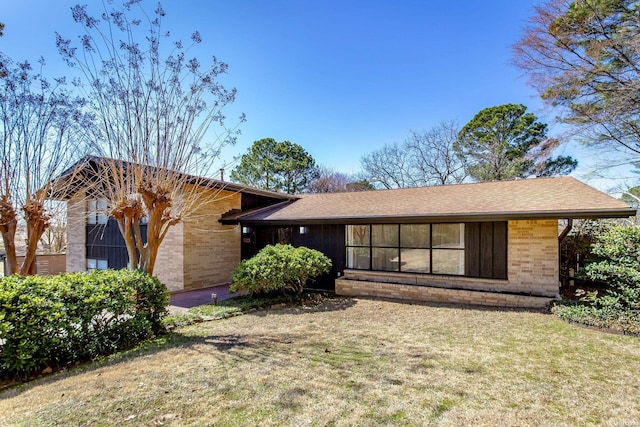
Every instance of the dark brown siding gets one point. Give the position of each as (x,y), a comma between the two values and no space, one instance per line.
(486,249)
(326,238)
(105,242)
(330,240)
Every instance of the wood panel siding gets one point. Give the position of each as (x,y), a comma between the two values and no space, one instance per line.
(486,249)
(104,241)
(326,238)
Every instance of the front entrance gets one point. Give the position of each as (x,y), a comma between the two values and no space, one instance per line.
(328,239)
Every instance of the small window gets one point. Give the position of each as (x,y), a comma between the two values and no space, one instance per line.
(97,264)
(97,211)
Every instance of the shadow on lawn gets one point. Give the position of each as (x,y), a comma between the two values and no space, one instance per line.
(177,339)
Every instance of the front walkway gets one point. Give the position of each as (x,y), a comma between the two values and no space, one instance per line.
(183,301)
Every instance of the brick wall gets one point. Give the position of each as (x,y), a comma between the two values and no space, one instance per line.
(200,252)
(47,264)
(532,269)
(169,265)
(76,233)
(441,295)
(211,250)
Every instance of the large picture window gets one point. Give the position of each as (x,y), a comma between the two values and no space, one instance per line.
(415,248)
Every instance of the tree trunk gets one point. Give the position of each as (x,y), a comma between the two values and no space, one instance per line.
(124,224)
(37,223)
(8,238)
(8,225)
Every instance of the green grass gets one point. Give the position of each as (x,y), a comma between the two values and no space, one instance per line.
(351,362)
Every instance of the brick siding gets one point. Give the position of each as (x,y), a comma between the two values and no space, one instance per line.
(76,233)
(200,252)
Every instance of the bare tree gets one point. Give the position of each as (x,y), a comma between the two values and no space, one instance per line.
(38,121)
(389,167)
(424,158)
(584,57)
(155,108)
(328,180)
(54,238)
(435,159)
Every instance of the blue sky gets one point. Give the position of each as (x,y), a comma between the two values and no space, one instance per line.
(340,78)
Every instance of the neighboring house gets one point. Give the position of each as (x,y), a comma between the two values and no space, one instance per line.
(490,243)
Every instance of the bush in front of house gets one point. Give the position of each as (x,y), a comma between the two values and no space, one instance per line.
(279,268)
(619,267)
(618,251)
(54,321)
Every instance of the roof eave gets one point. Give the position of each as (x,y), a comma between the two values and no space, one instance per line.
(453,217)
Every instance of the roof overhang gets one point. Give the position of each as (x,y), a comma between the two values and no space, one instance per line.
(249,218)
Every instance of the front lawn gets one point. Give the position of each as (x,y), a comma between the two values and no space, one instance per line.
(352,362)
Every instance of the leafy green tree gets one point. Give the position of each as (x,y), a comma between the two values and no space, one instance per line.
(360,185)
(505,142)
(584,57)
(277,166)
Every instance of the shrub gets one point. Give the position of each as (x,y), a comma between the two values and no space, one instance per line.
(627,321)
(53,321)
(279,268)
(619,267)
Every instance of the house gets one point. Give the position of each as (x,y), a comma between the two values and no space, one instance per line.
(196,253)
(491,243)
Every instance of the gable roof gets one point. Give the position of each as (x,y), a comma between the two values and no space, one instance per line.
(559,197)
(88,163)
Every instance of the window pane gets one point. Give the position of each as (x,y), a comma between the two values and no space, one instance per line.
(358,258)
(102,211)
(414,235)
(358,235)
(91,211)
(91,264)
(102,264)
(448,261)
(385,259)
(448,235)
(415,260)
(384,235)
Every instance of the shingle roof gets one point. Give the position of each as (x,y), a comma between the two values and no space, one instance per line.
(561,197)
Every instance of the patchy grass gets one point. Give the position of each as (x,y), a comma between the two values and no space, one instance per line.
(351,362)
(239,305)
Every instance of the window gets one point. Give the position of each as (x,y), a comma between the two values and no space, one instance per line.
(97,264)
(97,211)
(415,248)
(448,249)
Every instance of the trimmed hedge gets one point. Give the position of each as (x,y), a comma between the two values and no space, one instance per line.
(54,321)
(279,268)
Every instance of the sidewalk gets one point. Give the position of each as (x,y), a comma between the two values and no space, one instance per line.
(182,301)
